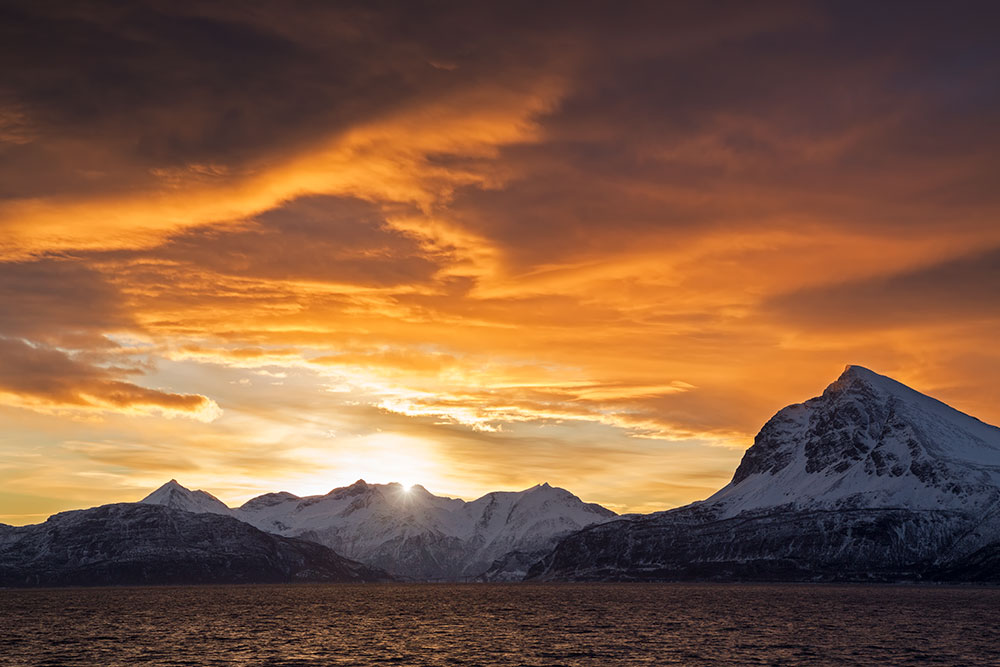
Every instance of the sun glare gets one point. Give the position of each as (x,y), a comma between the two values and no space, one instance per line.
(382,458)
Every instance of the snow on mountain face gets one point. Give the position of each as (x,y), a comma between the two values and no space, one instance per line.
(528,522)
(868,441)
(177,497)
(411,532)
(871,481)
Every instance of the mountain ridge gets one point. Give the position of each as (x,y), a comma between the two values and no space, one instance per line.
(871,480)
(137,543)
(411,532)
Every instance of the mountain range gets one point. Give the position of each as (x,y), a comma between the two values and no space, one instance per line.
(410,532)
(870,481)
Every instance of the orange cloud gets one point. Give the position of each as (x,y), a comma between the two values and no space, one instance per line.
(386,160)
(47,379)
(515,246)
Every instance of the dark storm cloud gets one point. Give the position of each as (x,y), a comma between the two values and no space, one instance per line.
(962,290)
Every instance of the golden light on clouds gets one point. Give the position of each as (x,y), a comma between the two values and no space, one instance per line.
(596,248)
(388,160)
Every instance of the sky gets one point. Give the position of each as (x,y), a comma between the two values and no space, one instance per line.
(266,246)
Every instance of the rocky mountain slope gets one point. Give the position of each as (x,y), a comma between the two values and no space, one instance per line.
(133,543)
(870,481)
(412,533)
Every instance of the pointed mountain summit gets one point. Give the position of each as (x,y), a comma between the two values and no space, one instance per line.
(175,496)
(868,441)
(871,480)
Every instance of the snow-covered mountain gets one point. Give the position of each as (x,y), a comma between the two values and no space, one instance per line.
(413,533)
(868,441)
(869,480)
(177,497)
(410,532)
(137,543)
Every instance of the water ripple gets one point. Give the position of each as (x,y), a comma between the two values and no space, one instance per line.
(471,625)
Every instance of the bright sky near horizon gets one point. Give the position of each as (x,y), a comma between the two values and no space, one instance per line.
(283,246)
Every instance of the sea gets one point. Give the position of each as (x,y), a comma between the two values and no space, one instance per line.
(490,624)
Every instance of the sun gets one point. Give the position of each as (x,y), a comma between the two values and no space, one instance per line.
(385,458)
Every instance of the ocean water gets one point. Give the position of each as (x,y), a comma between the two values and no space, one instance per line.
(573,625)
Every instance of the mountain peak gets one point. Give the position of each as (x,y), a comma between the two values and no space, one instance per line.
(855,372)
(871,440)
(857,376)
(173,494)
(544,486)
(173,486)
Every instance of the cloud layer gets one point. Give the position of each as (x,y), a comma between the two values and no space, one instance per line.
(495,245)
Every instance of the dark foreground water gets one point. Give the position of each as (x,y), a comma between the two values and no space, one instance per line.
(594,624)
